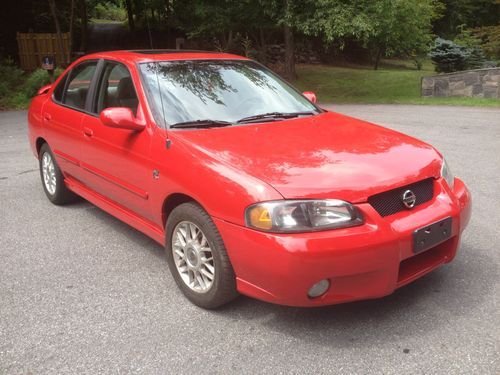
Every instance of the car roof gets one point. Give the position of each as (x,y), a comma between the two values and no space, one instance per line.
(150,55)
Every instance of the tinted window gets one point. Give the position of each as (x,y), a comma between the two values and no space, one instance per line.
(116,89)
(78,85)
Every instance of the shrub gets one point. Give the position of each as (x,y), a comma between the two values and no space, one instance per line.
(36,80)
(17,88)
(10,77)
(448,56)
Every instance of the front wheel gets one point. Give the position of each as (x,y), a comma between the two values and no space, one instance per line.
(52,178)
(197,257)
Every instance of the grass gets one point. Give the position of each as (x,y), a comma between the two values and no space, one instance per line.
(396,82)
(105,21)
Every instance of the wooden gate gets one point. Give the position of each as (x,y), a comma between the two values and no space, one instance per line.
(33,47)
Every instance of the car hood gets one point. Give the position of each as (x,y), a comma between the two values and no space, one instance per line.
(324,156)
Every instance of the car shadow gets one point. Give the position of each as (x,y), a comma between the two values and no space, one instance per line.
(142,241)
(425,305)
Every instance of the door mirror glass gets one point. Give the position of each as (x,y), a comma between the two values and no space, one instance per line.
(121,118)
(311,96)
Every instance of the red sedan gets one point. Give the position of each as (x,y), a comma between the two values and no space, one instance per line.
(249,185)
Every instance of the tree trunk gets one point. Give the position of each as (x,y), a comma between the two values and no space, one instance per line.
(263,47)
(377,58)
(290,72)
(71,28)
(229,40)
(130,15)
(83,46)
(60,43)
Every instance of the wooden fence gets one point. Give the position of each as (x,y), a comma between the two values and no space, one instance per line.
(33,47)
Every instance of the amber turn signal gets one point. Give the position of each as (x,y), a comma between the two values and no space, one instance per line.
(260,218)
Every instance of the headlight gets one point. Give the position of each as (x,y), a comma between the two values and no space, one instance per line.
(302,215)
(447,175)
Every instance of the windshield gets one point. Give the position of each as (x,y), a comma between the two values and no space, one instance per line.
(221,90)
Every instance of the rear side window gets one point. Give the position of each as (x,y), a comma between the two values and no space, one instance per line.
(116,89)
(77,85)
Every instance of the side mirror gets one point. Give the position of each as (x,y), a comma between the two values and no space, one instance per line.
(311,96)
(121,118)
(45,89)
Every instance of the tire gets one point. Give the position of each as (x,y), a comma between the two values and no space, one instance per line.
(56,190)
(223,285)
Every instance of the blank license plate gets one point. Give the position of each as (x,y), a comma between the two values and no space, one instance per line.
(430,235)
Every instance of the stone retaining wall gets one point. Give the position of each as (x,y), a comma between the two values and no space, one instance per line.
(479,83)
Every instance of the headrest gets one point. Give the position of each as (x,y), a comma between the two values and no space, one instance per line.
(126,89)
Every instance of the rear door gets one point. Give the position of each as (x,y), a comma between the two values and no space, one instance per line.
(116,161)
(63,114)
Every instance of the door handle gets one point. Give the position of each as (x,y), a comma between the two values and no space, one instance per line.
(88,132)
(47,117)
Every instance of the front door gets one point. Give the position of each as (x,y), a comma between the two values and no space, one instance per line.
(116,161)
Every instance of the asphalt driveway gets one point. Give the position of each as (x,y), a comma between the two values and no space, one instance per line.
(81,292)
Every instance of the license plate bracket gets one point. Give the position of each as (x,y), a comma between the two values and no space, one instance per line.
(426,237)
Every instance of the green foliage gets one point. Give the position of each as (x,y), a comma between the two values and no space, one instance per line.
(386,27)
(10,77)
(448,56)
(469,13)
(17,88)
(109,11)
(401,27)
(476,54)
(490,40)
(36,80)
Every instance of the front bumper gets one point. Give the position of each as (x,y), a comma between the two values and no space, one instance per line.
(363,262)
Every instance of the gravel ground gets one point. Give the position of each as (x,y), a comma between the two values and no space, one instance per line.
(81,292)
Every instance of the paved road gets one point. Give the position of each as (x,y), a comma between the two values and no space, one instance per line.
(82,292)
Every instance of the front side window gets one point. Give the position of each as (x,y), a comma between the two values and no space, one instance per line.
(77,87)
(116,88)
(59,90)
(222,90)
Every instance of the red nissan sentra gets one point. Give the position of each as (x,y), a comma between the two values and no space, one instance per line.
(249,185)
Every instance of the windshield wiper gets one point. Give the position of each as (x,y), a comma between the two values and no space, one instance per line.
(207,123)
(274,115)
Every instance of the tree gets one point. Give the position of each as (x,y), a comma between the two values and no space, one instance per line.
(386,27)
(130,15)
(466,13)
(400,27)
(448,56)
(59,38)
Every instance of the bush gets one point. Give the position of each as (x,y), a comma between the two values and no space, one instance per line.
(36,80)
(10,77)
(448,56)
(17,88)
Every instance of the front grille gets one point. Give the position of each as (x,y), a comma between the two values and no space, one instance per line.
(391,202)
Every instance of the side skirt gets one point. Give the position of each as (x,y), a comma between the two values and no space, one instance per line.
(145,226)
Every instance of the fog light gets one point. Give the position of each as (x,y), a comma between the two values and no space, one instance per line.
(319,288)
